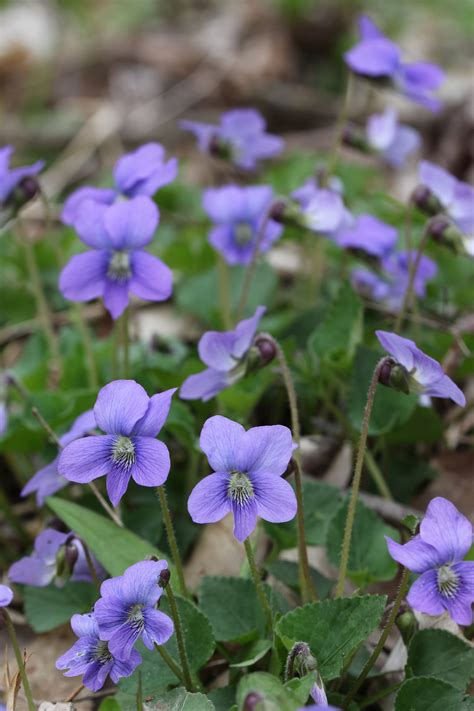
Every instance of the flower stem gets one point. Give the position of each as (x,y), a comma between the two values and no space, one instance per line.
(74,694)
(409,293)
(307,586)
(339,132)
(172,539)
(267,610)
(125,333)
(19,660)
(252,265)
(178,628)
(169,661)
(377,476)
(88,348)
(224,294)
(44,314)
(401,592)
(351,511)
(55,440)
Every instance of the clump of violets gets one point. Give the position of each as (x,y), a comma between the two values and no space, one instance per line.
(12,178)
(91,658)
(141,172)
(238,215)
(368,234)
(6,595)
(436,553)
(240,137)
(128,450)
(393,141)
(229,355)
(442,192)
(412,371)
(57,557)
(315,208)
(117,265)
(126,611)
(388,286)
(247,479)
(48,481)
(377,57)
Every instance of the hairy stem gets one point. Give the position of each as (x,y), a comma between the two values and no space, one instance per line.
(224,293)
(409,293)
(267,610)
(307,586)
(351,511)
(173,544)
(88,347)
(249,274)
(19,660)
(178,628)
(169,661)
(402,589)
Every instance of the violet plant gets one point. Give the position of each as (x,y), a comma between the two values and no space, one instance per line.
(281,610)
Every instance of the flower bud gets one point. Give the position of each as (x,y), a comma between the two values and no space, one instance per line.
(353,138)
(164,578)
(266,348)
(407,625)
(426,200)
(25,191)
(71,554)
(219,148)
(395,376)
(300,661)
(445,232)
(291,468)
(253,701)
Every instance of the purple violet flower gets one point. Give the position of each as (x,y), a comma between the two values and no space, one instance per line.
(11,177)
(241,136)
(91,658)
(323,208)
(131,421)
(225,353)
(377,57)
(238,214)
(390,285)
(320,707)
(48,563)
(425,375)
(369,235)
(142,172)
(117,263)
(392,140)
(6,595)
(455,196)
(48,481)
(247,478)
(446,582)
(127,610)
(3,418)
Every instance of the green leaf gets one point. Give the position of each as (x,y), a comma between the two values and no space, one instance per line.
(223,698)
(156,676)
(442,655)
(422,693)
(332,628)
(337,336)
(49,607)
(287,572)
(232,607)
(320,500)
(253,654)
(288,697)
(110,704)
(116,548)
(369,560)
(390,408)
(182,700)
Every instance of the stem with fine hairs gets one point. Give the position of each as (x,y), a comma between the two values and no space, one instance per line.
(409,293)
(250,271)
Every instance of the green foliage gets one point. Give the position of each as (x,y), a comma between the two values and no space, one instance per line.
(49,607)
(369,560)
(442,655)
(287,572)
(182,700)
(423,693)
(333,629)
(286,697)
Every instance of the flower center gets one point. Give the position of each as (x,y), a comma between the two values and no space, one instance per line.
(119,266)
(135,615)
(243,234)
(123,452)
(448,581)
(240,488)
(102,654)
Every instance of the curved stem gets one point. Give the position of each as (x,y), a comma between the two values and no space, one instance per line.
(351,511)
(340,124)
(88,347)
(267,610)
(169,661)
(407,298)
(173,544)
(74,694)
(244,295)
(402,589)
(224,294)
(19,660)
(307,586)
(188,682)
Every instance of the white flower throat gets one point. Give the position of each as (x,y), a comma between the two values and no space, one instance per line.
(119,268)
(448,581)
(240,488)
(123,452)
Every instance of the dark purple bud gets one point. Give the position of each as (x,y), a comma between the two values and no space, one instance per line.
(29,187)
(385,371)
(219,148)
(300,661)
(277,210)
(291,468)
(266,348)
(395,376)
(445,232)
(355,139)
(426,200)
(71,554)
(164,578)
(252,701)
